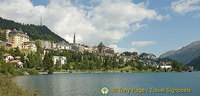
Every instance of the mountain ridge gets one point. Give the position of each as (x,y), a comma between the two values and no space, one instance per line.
(186,54)
(34,31)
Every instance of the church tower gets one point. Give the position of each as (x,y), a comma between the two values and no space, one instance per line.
(40,21)
(74,38)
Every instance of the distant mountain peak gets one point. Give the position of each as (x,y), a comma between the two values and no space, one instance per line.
(184,54)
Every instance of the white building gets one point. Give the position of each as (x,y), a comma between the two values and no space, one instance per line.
(62,59)
(165,66)
(46,44)
(8,57)
(63,45)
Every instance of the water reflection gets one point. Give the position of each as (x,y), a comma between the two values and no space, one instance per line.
(90,84)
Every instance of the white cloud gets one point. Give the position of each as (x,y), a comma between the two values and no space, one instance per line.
(184,6)
(142,43)
(138,26)
(120,50)
(109,21)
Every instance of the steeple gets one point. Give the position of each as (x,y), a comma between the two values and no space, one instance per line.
(74,38)
(41,21)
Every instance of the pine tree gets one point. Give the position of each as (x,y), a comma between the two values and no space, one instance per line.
(48,63)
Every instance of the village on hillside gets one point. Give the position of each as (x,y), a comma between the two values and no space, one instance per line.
(20,40)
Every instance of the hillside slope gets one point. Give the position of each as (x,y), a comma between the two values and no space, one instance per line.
(168,53)
(34,31)
(195,63)
(186,54)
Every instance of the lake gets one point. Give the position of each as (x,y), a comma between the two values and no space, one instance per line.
(90,84)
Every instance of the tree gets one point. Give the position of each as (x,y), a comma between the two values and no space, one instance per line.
(65,66)
(98,63)
(121,63)
(39,46)
(34,60)
(140,66)
(48,64)
(3,35)
(76,66)
(106,63)
(178,66)
(58,65)
(17,52)
(114,63)
(11,51)
(2,49)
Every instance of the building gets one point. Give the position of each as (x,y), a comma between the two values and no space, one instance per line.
(5,44)
(30,46)
(190,68)
(74,47)
(7,34)
(95,49)
(165,66)
(17,63)
(47,44)
(11,59)
(101,47)
(17,38)
(105,51)
(79,47)
(108,51)
(61,59)
(89,49)
(8,57)
(63,45)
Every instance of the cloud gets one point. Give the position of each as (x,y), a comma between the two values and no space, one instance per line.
(109,21)
(142,43)
(185,6)
(120,50)
(138,26)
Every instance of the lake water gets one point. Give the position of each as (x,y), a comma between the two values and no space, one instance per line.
(90,84)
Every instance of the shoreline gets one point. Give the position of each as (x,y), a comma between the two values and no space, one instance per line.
(63,72)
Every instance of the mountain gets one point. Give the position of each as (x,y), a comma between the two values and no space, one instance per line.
(166,54)
(195,63)
(34,31)
(186,54)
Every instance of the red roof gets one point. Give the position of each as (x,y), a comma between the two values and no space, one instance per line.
(15,61)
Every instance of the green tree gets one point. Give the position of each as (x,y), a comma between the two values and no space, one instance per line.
(17,52)
(3,35)
(48,64)
(11,51)
(2,49)
(58,65)
(65,66)
(39,46)
(140,66)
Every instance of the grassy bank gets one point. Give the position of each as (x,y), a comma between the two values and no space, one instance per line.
(9,88)
(120,70)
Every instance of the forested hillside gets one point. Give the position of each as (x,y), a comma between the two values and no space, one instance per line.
(34,31)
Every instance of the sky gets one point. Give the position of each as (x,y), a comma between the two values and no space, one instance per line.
(150,26)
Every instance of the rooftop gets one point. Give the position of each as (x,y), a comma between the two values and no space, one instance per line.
(101,45)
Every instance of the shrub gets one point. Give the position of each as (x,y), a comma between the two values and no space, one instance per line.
(32,71)
(18,72)
(70,71)
(9,88)
(51,70)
